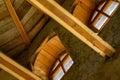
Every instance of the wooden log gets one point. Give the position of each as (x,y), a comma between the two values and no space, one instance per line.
(73,25)
(15,69)
(17,22)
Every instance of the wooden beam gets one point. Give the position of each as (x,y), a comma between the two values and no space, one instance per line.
(15,69)
(17,22)
(72,24)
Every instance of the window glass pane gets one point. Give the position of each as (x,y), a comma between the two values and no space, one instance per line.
(100,22)
(111,8)
(59,75)
(68,64)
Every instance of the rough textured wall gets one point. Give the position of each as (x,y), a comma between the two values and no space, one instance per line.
(88,64)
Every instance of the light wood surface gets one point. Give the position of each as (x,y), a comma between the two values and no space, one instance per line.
(73,25)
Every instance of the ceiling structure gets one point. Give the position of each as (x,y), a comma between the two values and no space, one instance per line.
(23,20)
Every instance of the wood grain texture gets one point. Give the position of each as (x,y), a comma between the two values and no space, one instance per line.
(24,8)
(17,22)
(37,27)
(46,58)
(17,3)
(73,25)
(84,10)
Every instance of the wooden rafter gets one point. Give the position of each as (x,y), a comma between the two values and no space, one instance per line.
(17,22)
(76,27)
(15,69)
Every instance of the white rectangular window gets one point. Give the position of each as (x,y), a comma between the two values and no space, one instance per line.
(68,64)
(100,22)
(59,75)
(111,8)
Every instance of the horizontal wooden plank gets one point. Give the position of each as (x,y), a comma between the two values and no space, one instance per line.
(73,25)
